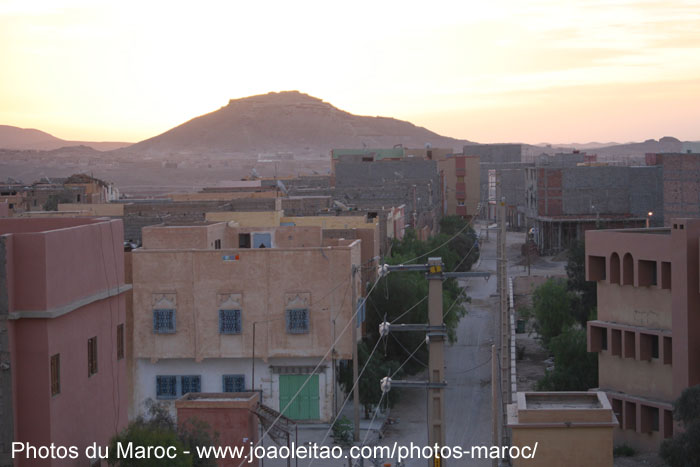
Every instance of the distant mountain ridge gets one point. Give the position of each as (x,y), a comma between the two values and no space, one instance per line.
(12,137)
(287,122)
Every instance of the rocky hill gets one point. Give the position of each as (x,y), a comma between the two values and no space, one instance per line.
(12,137)
(284,122)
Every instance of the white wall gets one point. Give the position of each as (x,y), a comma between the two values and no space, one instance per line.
(211,372)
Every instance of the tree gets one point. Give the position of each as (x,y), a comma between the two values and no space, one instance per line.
(51,204)
(586,299)
(683,450)
(159,429)
(575,369)
(551,306)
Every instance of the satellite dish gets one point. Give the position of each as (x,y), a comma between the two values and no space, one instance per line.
(282,188)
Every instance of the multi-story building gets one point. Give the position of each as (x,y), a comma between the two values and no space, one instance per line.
(62,334)
(681,183)
(460,185)
(565,200)
(223,308)
(647,332)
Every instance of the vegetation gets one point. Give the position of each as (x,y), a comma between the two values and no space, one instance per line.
(397,293)
(683,450)
(561,309)
(623,450)
(342,431)
(575,369)
(51,204)
(159,429)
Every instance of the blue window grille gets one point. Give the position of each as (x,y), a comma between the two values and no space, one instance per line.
(190,384)
(234,383)
(298,321)
(163,321)
(166,387)
(230,321)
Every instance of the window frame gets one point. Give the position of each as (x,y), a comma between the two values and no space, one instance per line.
(92,356)
(55,365)
(237,320)
(172,329)
(120,342)
(289,319)
(234,378)
(173,382)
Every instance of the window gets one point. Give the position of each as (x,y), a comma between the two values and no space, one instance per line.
(190,384)
(298,321)
(163,321)
(170,387)
(120,341)
(244,240)
(262,240)
(92,356)
(217,244)
(233,383)
(166,387)
(55,374)
(230,321)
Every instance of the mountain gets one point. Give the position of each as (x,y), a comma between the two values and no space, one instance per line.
(288,122)
(12,137)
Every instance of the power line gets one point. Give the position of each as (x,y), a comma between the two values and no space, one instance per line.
(325,356)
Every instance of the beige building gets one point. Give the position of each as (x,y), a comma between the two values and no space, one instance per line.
(647,332)
(460,179)
(551,429)
(222,308)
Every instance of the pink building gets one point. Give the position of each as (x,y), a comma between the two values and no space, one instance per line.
(647,332)
(62,334)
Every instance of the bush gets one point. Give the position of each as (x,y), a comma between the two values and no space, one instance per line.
(623,450)
(551,306)
(575,369)
(683,450)
(343,431)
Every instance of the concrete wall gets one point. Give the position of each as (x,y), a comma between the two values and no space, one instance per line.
(7,414)
(264,282)
(76,267)
(104,209)
(246,219)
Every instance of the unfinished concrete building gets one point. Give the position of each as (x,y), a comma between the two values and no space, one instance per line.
(563,202)
(381,185)
(681,183)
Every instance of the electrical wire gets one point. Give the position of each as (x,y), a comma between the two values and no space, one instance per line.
(347,398)
(369,428)
(325,356)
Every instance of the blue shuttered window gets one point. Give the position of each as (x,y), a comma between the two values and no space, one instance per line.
(163,321)
(298,320)
(172,387)
(190,384)
(234,383)
(230,321)
(166,387)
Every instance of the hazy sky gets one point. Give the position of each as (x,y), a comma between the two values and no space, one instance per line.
(488,71)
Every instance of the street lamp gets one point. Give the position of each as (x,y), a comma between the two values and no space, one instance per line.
(649,214)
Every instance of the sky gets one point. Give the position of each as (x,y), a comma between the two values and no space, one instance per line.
(532,71)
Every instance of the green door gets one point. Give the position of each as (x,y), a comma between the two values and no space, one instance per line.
(305,405)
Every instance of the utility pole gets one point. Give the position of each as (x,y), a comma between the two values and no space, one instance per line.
(436,334)
(355,371)
(436,361)
(504,322)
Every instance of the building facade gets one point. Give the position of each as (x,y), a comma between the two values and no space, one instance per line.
(647,331)
(62,334)
(220,308)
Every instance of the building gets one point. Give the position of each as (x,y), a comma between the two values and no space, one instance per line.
(62,334)
(231,416)
(460,185)
(564,201)
(647,333)
(222,308)
(570,428)
(681,183)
